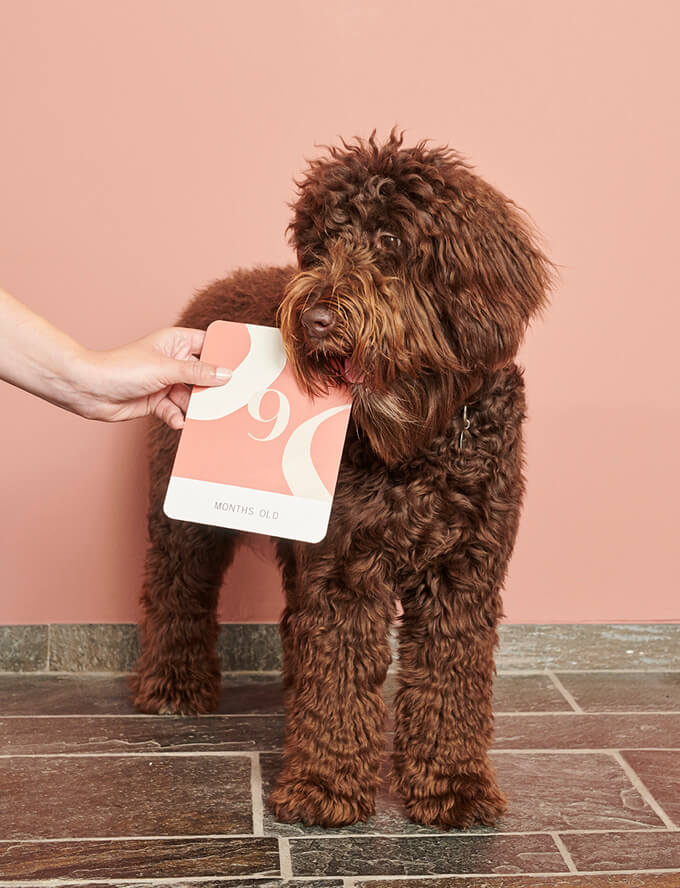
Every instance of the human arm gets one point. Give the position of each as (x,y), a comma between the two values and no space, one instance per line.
(147,376)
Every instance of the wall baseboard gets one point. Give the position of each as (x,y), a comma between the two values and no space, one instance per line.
(256,647)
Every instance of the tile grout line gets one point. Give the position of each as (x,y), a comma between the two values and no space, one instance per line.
(514,713)
(256,793)
(168,881)
(473,875)
(428,832)
(592,670)
(637,782)
(672,666)
(151,881)
(199,753)
(564,852)
(207,716)
(285,862)
(565,693)
(276,750)
(280,714)
(575,750)
(177,882)
(117,673)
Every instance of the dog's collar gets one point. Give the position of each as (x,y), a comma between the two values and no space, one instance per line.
(466,426)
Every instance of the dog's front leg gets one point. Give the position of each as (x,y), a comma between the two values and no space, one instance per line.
(335,632)
(443,715)
(452,605)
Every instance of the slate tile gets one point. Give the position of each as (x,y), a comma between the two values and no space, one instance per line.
(545,792)
(141,858)
(242,693)
(590,646)
(243,647)
(55,797)
(425,855)
(257,646)
(75,694)
(569,791)
(114,647)
(250,692)
(86,735)
(624,851)
(23,648)
(621,691)
(82,647)
(660,773)
(576,731)
(511,693)
(644,880)
(527,693)
(102,694)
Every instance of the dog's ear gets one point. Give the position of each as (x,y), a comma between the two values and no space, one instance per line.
(494,274)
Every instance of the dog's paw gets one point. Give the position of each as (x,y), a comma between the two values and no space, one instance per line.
(466,802)
(315,805)
(160,695)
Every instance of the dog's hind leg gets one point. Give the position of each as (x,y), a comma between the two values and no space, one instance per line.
(178,670)
(336,654)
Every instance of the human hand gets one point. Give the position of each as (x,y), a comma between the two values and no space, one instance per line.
(149,376)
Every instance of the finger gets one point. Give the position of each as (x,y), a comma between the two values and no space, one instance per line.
(193,339)
(179,395)
(197,373)
(169,413)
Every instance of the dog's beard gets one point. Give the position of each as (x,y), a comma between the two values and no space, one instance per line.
(386,344)
(366,344)
(411,416)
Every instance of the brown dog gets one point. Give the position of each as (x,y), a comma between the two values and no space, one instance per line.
(415,284)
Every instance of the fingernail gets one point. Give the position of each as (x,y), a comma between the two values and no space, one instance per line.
(223,373)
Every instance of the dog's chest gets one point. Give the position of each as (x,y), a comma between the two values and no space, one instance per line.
(409,517)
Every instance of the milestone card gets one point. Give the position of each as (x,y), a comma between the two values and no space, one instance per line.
(257,453)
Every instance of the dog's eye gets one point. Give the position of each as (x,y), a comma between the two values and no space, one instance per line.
(390,241)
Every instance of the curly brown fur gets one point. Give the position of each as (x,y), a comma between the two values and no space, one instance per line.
(416,281)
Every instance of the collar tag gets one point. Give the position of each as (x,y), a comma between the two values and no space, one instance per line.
(466,426)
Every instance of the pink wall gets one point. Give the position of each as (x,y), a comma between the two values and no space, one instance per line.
(148,148)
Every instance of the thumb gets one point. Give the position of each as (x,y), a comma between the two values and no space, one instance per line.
(192,372)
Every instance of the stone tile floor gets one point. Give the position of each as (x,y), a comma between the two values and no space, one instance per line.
(92,793)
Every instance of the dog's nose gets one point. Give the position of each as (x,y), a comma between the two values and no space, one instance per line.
(319,321)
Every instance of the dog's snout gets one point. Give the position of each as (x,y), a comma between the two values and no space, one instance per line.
(319,321)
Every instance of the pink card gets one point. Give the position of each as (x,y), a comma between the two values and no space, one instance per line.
(258,454)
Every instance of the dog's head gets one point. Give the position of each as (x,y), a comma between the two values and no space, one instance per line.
(417,280)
